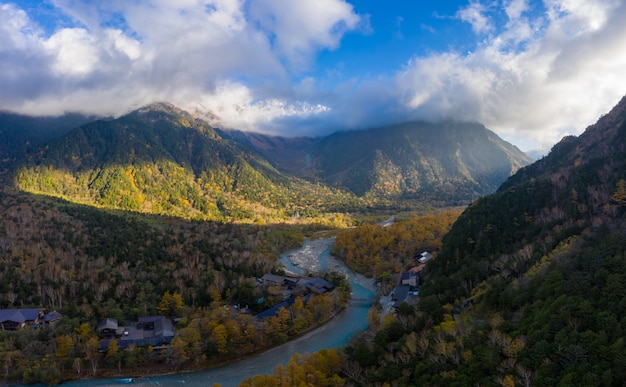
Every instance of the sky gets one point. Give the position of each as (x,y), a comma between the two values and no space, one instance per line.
(532,71)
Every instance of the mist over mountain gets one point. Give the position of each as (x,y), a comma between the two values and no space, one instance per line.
(161,160)
(20,133)
(451,162)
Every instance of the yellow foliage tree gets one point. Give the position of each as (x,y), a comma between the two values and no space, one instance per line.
(65,344)
(620,194)
(171,304)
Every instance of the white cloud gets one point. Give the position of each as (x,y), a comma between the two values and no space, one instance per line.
(232,105)
(474,14)
(299,28)
(73,50)
(564,76)
(538,72)
(130,53)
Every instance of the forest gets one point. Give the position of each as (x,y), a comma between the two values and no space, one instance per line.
(380,252)
(90,264)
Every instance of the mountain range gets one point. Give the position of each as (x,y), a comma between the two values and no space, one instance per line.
(415,159)
(527,288)
(160,159)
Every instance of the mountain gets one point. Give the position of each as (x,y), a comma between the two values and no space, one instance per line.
(460,160)
(528,287)
(449,163)
(159,159)
(18,132)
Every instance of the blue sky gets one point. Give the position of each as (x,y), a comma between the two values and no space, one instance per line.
(532,71)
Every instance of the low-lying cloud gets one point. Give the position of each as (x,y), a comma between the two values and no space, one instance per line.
(538,72)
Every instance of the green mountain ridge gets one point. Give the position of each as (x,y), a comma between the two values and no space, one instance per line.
(449,162)
(161,160)
(419,158)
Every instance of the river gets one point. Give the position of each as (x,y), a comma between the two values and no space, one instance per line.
(334,334)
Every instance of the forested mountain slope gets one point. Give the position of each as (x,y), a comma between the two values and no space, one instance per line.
(452,161)
(19,133)
(447,163)
(161,160)
(528,287)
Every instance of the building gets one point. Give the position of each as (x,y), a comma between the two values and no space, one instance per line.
(107,327)
(17,319)
(316,285)
(409,278)
(400,294)
(51,318)
(278,280)
(424,257)
(156,331)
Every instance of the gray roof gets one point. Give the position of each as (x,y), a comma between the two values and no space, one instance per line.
(19,315)
(52,316)
(162,325)
(107,323)
(400,293)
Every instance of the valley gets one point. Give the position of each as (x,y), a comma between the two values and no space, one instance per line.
(158,214)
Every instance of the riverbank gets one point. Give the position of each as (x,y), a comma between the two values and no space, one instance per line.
(314,257)
(333,333)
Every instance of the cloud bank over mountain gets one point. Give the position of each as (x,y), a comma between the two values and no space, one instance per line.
(534,71)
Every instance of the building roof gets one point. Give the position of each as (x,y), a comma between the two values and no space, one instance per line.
(20,315)
(417,268)
(107,323)
(52,316)
(400,294)
(273,311)
(162,325)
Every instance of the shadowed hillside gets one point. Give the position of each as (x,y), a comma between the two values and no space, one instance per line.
(528,287)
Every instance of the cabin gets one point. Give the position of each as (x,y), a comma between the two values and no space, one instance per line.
(51,318)
(317,285)
(278,280)
(17,319)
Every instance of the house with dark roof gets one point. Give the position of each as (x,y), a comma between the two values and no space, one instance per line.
(51,318)
(17,319)
(107,327)
(156,331)
(409,278)
(400,294)
(316,285)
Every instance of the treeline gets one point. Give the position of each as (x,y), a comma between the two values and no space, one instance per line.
(205,336)
(90,264)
